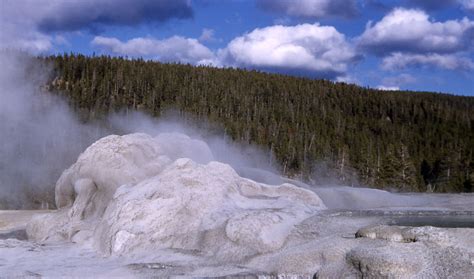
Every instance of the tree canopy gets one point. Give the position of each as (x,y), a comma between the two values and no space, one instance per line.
(407,141)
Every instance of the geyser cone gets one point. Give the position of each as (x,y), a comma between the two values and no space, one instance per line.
(131,195)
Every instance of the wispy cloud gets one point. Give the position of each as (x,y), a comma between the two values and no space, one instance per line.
(449,62)
(207,35)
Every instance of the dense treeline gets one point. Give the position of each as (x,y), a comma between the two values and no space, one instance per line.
(398,140)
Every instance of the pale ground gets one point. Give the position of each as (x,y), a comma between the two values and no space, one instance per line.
(134,206)
(324,244)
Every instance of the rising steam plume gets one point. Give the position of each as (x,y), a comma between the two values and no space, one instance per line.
(40,135)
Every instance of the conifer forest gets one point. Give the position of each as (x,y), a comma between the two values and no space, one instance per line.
(314,129)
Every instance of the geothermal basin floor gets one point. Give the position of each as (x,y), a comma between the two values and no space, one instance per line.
(324,246)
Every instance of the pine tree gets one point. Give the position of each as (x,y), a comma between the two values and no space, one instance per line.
(380,135)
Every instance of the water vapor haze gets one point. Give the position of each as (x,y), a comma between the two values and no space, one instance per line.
(40,136)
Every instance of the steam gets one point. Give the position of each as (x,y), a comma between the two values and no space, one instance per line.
(241,157)
(40,136)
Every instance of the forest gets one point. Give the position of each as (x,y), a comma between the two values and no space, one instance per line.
(316,130)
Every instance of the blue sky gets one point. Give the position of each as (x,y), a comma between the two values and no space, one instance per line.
(422,45)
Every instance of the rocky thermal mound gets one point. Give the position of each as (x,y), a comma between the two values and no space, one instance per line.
(135,194)
(137,205)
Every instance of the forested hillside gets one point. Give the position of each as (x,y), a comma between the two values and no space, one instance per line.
(405,141)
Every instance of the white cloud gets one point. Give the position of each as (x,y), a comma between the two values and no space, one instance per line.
(308,49)
(320,50)
(412,31)
(30,25)
(450,62)
(409,38)
(388,88)
(176,48)
(305,49)
(311,8)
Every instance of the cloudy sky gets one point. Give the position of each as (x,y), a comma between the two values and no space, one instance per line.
(423,45)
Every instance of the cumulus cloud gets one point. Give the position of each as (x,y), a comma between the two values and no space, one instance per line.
(408,37)
(450,62)
(311,8)
(307,48)
(413,31)
(176,48)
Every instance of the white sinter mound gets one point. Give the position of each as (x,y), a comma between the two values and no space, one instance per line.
(133,195)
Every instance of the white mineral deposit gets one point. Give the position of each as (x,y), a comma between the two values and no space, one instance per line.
(137,205)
